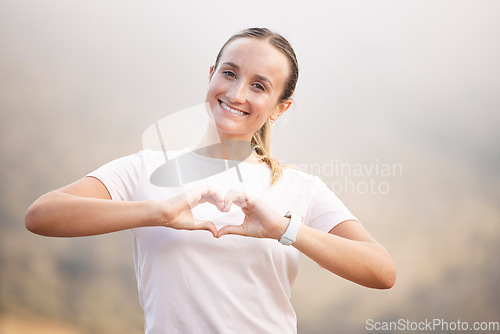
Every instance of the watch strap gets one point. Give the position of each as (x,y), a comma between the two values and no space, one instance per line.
(290,234)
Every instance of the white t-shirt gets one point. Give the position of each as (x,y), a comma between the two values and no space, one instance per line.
(191,282)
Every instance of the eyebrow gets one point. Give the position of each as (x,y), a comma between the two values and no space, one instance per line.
(260,77)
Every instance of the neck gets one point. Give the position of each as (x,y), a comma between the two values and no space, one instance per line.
(213,144)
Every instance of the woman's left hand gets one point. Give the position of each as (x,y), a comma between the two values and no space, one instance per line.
(350,251)
(261,221)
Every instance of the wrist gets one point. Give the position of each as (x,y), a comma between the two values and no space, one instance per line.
(284,222)
(160,214)
(295,221)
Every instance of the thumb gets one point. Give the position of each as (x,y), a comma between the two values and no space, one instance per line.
(205,225)
(231,229)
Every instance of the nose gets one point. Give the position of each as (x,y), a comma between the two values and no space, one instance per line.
(236,93)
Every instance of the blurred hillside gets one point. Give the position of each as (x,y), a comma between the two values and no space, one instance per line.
(412,84)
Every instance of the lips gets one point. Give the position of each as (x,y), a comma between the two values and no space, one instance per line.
(232,110)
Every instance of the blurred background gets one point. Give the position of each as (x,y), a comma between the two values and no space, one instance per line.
(397,108)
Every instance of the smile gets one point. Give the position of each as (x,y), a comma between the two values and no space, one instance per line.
(231,110)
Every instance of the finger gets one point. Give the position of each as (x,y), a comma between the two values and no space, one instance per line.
(204,194)
(214,198)
(193,197)
(241,198)
(235,196)
(205,225)
(208,191)
(231,229)
(227,205)
(214,195)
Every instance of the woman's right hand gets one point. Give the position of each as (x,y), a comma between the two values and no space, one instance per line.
(85,208)
(177,212)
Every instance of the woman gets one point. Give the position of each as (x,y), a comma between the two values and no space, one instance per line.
(237,278)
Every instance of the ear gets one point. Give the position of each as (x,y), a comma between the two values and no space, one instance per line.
(210,73)
(282,107)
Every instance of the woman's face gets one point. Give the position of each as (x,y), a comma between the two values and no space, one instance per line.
(245,88)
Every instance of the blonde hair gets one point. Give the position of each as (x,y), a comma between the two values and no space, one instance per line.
(261,140)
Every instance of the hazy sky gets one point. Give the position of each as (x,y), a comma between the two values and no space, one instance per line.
(422,71)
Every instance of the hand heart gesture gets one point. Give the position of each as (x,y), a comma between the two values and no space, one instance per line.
(261,221)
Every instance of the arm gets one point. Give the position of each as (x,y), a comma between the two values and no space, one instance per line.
(348,250)
(85,208)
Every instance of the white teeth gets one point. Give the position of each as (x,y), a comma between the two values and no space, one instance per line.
(231,110)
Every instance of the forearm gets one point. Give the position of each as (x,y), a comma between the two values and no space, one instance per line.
(362,262)
(59,214)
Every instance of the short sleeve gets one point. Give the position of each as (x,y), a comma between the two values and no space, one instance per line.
(121,176)
(325,210)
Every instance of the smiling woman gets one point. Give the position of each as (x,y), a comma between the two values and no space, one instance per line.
(204,265)
(261,69)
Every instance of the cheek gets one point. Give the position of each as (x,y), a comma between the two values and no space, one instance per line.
(265,105)
(213,83)
(210,93)
(216,87)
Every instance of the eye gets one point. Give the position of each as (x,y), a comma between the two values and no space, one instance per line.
(258,86)
(229,74)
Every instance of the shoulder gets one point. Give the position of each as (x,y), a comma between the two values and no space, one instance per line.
(296,181)
(134,163)
(293,173)
(306,182)
(151,157)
